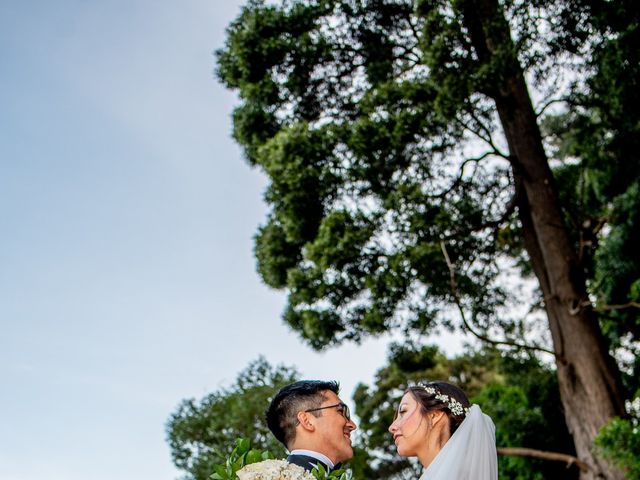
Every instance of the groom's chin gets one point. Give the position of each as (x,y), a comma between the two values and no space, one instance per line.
(348,454)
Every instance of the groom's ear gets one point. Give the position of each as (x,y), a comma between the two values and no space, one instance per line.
(305,421)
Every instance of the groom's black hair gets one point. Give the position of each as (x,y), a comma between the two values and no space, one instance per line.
(291,399)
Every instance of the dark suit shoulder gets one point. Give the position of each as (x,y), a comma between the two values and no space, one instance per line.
(305,461)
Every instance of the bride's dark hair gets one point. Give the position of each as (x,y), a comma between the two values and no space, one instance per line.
(427,396)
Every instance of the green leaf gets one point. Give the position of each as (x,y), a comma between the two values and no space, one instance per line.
(254,456)
(242,446)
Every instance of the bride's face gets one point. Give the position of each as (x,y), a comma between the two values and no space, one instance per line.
(410,427)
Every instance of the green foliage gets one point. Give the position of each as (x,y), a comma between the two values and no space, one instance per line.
(320,473)
(241,455)
(363,115)
(617,265)
(354,155)
(199,431)
(526,409)
(619,441)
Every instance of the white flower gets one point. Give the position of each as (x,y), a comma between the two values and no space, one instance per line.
(273,470)
(454,406)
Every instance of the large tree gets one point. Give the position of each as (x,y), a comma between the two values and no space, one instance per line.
(409,172)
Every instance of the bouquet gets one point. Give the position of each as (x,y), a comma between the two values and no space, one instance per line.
(246,463)
(273,470)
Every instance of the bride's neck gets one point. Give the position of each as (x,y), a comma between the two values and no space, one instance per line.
(433,444)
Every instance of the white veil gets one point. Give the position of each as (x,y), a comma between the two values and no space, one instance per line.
(470,453)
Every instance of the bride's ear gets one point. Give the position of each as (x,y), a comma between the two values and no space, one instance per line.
(437,416)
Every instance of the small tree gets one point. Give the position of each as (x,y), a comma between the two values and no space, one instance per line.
(520,395)
(203,433)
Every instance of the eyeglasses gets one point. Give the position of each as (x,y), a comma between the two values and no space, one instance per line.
(341,407)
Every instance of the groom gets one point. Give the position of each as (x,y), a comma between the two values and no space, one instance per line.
(313,423)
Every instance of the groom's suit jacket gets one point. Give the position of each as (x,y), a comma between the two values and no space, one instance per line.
(306,462)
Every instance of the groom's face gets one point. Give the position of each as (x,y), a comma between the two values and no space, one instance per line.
(334,430)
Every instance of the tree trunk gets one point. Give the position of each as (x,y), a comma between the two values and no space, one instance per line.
(588,377)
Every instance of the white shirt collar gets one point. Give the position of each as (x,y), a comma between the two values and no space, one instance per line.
(310,453)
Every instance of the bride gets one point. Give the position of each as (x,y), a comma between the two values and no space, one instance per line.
(452,440)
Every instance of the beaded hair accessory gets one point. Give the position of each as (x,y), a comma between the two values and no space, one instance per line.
(454,405)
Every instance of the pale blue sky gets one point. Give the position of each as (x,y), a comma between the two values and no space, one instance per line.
(127,280)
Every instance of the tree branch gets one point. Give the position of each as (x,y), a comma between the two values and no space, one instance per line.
(511,207)
(456,298)
(553,456)
(575,308)
(623,306)
(460,177)
(605,308)
(485,138)
(548,104)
